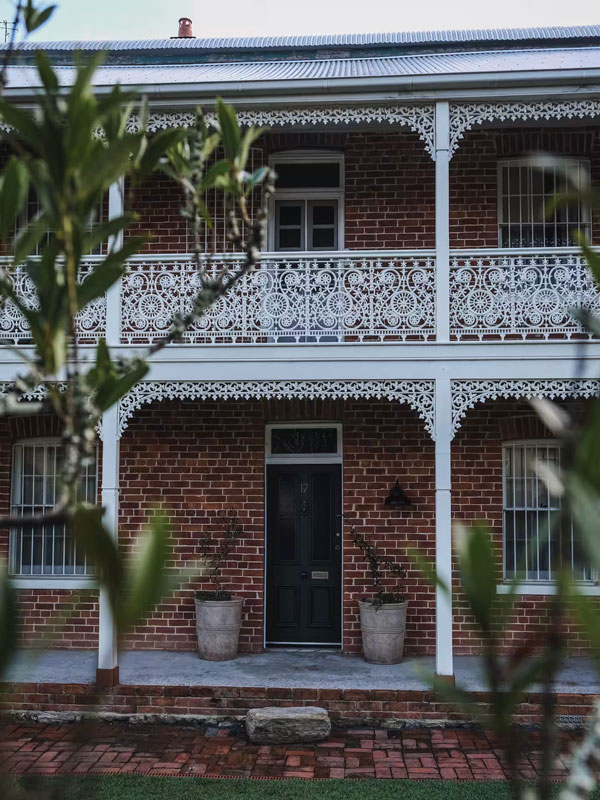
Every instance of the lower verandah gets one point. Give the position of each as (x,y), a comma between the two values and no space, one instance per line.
(201,460)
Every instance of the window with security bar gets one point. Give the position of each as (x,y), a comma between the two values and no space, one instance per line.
(48,550)
(32,209)
(525,192)
(539,536)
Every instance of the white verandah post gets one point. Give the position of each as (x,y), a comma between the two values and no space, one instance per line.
(107,673)
(444,664)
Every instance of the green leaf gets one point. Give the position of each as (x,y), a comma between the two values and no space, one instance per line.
(230,129)
(584,504)
(15,187)
(34,19)
(478,570)
(157,146)
(46,73)
(28,239)
(97,542)
(148,580)
(99,281)
(586,611)
(8,621)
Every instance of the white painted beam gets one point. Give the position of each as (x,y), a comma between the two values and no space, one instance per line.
(116,205)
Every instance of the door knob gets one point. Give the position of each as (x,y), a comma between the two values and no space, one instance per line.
(304,574)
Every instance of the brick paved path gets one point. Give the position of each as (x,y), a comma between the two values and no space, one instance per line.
(174,750)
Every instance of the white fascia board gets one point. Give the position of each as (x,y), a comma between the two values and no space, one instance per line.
(419,87)
(383,361)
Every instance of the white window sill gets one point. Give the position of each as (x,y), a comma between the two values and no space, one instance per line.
(53,582)
(544,588)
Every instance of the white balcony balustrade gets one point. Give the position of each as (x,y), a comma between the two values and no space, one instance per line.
(374,296)
(359,296)
(91,322)
(520,294)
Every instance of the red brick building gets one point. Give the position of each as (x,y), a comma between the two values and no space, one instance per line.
(414,295)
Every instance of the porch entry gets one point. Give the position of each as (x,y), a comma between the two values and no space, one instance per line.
(304,554)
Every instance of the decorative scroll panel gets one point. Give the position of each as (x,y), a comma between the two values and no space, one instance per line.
(287,300)
(418,394)
(464,116)
(517,296)
(91,322)
(467,394)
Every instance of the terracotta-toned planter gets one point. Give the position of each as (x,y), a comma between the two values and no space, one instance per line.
(218,628)
(383,631)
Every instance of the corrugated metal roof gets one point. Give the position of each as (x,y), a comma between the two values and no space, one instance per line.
(240,71)
(327,40)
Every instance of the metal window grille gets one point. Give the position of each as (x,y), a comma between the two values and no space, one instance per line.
(525,216)
(539,537)
(47,550)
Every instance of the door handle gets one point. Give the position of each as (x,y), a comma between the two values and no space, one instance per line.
(304,574)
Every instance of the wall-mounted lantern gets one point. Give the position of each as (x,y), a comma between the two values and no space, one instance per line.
(397,498)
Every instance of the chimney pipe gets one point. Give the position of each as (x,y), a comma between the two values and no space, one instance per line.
(185,29)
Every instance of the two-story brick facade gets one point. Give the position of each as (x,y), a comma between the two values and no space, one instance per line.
(414,295)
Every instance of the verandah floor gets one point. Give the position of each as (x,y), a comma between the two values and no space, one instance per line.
(317,669)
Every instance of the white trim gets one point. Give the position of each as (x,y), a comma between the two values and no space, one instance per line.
(304,458)
(53,582)
(544,589)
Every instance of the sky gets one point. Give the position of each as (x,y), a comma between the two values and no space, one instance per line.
(155,19)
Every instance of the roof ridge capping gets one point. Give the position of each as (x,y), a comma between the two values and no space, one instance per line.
(325,40)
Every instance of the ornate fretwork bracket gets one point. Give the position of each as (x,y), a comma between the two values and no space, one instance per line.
(468,393)
(419,118)
(464,116)
(418,394)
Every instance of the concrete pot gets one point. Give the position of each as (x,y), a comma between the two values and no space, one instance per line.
(383,631)
(218,628)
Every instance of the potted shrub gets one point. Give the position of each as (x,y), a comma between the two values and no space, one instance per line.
(218,614)
(383,616)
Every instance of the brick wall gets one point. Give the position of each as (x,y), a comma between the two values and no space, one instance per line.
(46,617)
(390,186)
(199,460)
(474,176)
(477,495)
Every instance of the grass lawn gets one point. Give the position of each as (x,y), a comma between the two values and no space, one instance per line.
(117,787)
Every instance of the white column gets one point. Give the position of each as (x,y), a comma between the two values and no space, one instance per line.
(107,634)
(442,221)
(116,204)
(108,664)
(444,665)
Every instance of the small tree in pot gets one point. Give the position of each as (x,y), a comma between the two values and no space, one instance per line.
(218,614)
(382,616)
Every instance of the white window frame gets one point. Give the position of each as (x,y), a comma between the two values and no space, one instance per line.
(44,581)
(300,458)
(528,161)
(308,156)
(524,586)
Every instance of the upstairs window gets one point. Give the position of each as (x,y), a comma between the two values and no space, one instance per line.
(539,537)
(307,213)
(525,191)
(46,551)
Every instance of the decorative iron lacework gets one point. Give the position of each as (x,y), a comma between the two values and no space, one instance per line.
(91,321)
(362,297)
(39,393)
(464,116)
(418,394)
(524,296)
(419,118)
(467,394)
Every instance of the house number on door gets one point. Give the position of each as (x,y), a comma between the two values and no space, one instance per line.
(304,503)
